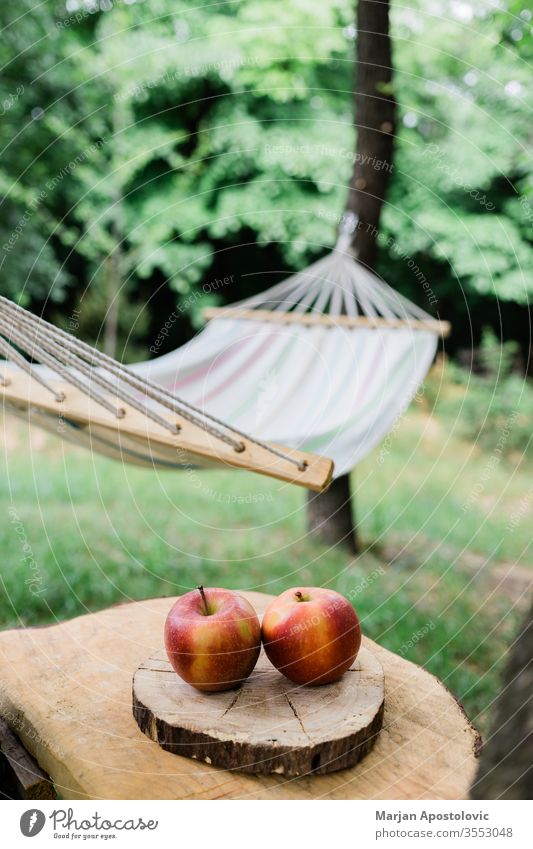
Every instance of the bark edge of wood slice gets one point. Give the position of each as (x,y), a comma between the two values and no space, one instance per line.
(269,725)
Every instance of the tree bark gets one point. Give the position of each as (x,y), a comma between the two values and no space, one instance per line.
(330,515)
(114,262)
(506,765)
(375,114)
(113,287)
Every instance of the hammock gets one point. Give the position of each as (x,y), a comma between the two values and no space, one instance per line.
(324,363)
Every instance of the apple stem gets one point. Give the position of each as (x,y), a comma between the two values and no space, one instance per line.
(299,595)
(204,599)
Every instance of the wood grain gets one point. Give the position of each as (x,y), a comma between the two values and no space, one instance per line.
(67,691)
(311,319)
(269,725)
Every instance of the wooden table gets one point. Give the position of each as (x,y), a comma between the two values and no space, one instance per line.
(66,691)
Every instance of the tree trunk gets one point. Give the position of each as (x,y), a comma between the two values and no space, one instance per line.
(375,113)
(114,262)
(330,515)
(506,768)
(113,285)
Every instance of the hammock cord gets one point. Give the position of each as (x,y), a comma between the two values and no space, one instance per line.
(79,354)
(12,354)
(338,285)
(65,358)
(38,353)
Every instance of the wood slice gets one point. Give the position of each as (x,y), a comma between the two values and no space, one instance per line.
(269,725)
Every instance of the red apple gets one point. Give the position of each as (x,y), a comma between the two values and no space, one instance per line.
(312,635)
(213,639)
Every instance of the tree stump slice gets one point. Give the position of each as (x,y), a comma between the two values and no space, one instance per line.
(269,725)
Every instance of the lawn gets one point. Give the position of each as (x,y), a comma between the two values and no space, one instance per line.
(442,578)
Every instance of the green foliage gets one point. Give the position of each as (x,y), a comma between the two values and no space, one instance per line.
(156,141)
(458,203)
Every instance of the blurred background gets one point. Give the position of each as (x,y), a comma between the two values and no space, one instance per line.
(151,148)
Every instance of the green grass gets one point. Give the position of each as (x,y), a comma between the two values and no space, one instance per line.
(80,533)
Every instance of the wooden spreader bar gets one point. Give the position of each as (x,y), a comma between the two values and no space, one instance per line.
(443,328)
(193,444)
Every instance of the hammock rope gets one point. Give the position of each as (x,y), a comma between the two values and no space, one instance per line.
(37,352)
(11,353)
(42,343)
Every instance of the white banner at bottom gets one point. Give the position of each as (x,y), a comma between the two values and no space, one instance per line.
(309,824)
